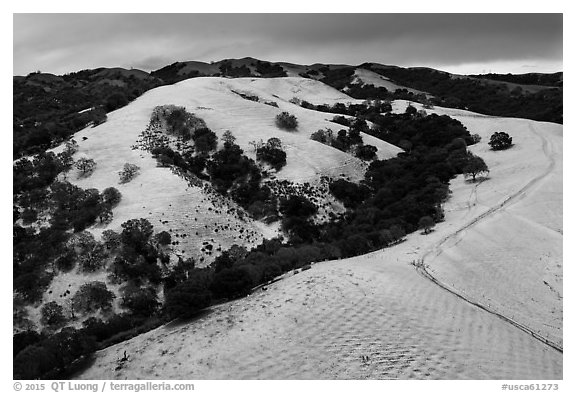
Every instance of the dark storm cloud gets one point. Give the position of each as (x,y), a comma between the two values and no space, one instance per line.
(67,42)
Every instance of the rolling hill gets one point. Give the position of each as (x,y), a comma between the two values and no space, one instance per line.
(374,316)
(479,297)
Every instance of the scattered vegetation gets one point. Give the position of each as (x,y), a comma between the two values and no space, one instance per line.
(48,109)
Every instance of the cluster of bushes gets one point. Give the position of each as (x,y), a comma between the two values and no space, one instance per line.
(286,121)
(364,111)
(128,172)
(135,253)
(85,166)
(268,70)
(227,69)
(70,207)
(271,152)
(348,140)
(230,171)
(177,121)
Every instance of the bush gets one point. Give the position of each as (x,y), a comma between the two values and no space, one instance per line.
(231,283)
(93,260)
(366,152)
(86,166)
(163,238)
(341,120)
(286,121)
(140,301)
(136,233)
(129,172)
(205,140)
(323,136)
(111,196)
(52,315)
(351,194)
(189,297)
(426,223)
(500,141)
(111,239)
(272,153)
(91,297)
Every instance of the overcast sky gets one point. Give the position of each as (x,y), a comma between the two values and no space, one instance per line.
(459,43)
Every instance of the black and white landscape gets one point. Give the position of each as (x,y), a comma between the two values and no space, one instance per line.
(244,218)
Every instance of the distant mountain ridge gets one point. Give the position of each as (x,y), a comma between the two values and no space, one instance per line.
(49,108)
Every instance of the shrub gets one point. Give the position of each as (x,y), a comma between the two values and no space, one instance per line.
(426,223)
(98,116)
(111,196)
(189,297)
(129,172)
(52,314)
(366,152)
(231,283)
(272,153)
(111,239)
(140,301)
(323,136)
(341,120)
(286,121)
(163,238)
(500,141)
(136,233)
(410,110)
(86,166)
(351,194)
(205,140)
(92,260)
(91,297)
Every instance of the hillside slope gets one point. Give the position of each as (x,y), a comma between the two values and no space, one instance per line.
(374,316)
(511,260)
(162,196)
(201,222)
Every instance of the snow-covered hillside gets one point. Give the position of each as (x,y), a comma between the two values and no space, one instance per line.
(511,258)
(368,77)
(376,316)
(167,200)
(201,222)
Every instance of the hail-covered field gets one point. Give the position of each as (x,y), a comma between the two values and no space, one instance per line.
(376,315)
(201,222)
